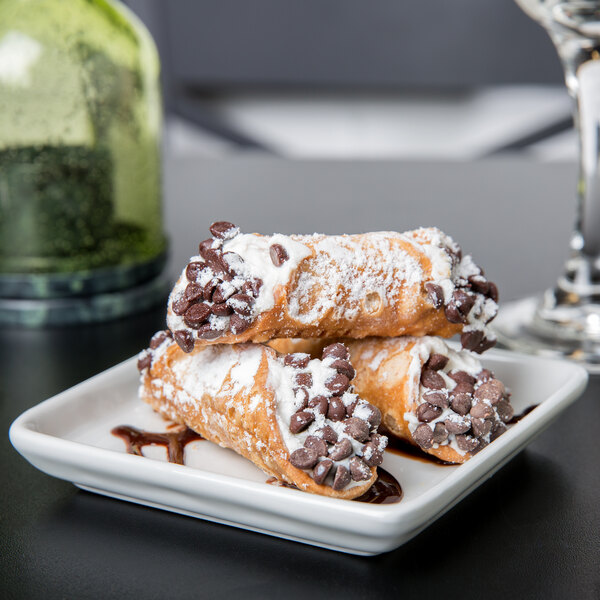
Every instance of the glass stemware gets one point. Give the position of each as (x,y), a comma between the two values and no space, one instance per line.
(565,321)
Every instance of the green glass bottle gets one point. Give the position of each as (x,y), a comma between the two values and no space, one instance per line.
(80,186)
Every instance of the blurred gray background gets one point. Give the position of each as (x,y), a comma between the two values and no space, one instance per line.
(383,77)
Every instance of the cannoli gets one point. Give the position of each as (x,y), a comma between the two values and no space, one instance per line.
(250,287)
(437,398)
(297,419)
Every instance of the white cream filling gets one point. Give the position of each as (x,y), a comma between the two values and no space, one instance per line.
(253,261)
(445,275)
(281,378)
(205,371)
(457,361)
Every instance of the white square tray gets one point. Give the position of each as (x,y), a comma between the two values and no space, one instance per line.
(68,436)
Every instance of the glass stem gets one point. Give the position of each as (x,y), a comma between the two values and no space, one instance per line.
(582,75)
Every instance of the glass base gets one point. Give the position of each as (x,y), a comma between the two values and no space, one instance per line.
(75,310)
(79,283)
(538,325)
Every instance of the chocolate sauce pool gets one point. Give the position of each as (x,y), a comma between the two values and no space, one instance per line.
(518,417)
(385,490)
(174,441)
(399,446)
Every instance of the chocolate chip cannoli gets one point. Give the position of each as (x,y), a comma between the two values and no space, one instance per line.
(439,399)
(250,287)
(296,418)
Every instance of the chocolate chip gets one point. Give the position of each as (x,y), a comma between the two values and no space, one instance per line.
(492,390)
(215,261)
(304,379)
(328,433)
(193,270)
(458,424)
(342,478)
(371,454)
(423,436)
(453,314)
(321,471)
(158,338)
(460,376)
(486,344)
(301,395)
(196,315)
(463,387)
(180,305)
(204,246)
(463,301)
(374,415)
(336,351)
(252,286)
(208,332)
(357,429)
(437,399)
(336,410)
(223,230)
(359,470)
(481,427)
(221,293)
(209,289)
(436,362)
(505,410)
(493,291)
(343,367)
(461,403)
(482,410)
(184,340)
(144,361)
(337,385)
(317,444)
(435,294)
(497,430)
(320,404)
(428,412)
(341,450)
(241,303)
(440,433)
(238,325)
(278,254)
(479,284)
(299,360)
(471,339)
(467,443)
(380,441)
(193,292)
(484,375)
(300,421)
(221,310)
(432,380)
(350,407)
(304,458)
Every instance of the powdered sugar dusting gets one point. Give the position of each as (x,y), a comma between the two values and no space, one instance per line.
(205,371)
(352,271)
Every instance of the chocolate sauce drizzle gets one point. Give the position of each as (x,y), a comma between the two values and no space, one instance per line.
(385,490)
(404,448)
(174,441)
(524,413)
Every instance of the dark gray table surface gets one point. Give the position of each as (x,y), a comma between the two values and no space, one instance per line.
(531,531)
